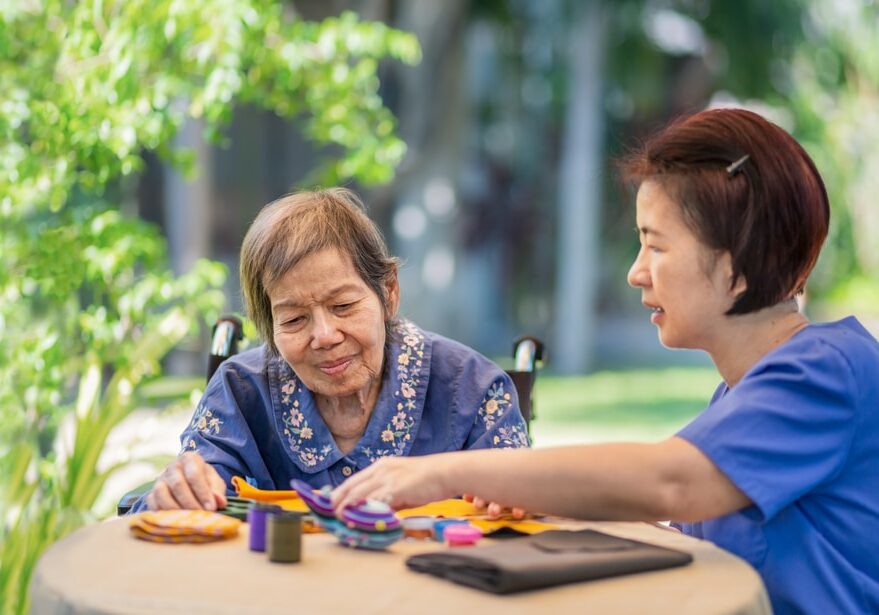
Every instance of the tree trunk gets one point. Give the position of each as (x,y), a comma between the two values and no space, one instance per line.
(188,211)
(580,192)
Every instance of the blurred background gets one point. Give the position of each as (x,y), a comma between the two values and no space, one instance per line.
(139,138)
(505,207)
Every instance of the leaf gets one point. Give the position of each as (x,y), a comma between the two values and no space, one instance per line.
(89,306)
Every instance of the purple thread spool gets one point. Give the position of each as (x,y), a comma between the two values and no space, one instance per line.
(256,518)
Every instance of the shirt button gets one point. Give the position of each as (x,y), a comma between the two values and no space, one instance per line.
(347,471)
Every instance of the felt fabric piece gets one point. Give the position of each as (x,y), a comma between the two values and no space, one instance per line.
(550,558)
(190,539)
(461,509)
(177,526)
(236,507)
(288,500)
(451,508)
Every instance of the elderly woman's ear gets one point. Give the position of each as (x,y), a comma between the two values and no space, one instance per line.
(392,294)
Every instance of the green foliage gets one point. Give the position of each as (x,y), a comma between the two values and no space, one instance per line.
(833,93)
(88,304)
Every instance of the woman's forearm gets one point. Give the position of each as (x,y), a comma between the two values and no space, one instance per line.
(610,481)
(626,482)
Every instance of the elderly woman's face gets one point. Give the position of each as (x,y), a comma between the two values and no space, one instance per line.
(329,325)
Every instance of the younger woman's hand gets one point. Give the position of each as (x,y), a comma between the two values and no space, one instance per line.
(493,509)
(400,482)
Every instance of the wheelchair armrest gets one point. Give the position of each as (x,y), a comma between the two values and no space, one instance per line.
(128,500)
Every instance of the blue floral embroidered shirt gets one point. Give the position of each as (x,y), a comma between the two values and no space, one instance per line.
(257,420)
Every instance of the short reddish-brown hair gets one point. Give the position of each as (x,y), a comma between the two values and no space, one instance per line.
(771,213)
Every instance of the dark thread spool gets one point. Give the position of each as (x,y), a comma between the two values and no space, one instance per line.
(284,537)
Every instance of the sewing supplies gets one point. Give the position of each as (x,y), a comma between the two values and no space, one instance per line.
(462,535)
(236,507)
(284,536)
(440,525)
(179,526)
(418,528)
(257,517)
(370,525)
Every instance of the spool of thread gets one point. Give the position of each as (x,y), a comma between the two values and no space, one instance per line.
(440,525)
(284,537)
(418,528)
(462,535)
(256,519)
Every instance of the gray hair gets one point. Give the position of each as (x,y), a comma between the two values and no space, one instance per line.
(297,225)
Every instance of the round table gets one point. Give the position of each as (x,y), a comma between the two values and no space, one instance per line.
(103,569)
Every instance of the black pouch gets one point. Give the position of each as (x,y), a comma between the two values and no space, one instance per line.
(543,560)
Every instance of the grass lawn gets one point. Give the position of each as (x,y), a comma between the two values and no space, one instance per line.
(636,405)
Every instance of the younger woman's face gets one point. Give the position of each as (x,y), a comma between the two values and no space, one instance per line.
(685,283)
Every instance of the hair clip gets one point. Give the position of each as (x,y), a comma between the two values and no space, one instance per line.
(735,167)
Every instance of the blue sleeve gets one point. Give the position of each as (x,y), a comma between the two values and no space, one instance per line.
(785,428)
(498,420)
(218,430)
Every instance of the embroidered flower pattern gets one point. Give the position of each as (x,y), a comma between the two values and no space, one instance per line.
(296,427)
(205,422)
(510,437)
(375,455)
(397,433)
(494,406)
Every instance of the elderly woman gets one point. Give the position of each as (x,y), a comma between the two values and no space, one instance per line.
(341,381)
(782,467)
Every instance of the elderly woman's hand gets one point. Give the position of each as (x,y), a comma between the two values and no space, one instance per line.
(190,483)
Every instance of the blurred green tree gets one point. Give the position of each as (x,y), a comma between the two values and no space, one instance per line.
(583,80)
(89,306)
(832,89)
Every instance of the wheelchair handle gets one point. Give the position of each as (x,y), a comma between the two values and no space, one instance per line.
(226,334)
(527,351)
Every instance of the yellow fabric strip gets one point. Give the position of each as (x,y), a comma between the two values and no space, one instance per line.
(461,509)
(288,500)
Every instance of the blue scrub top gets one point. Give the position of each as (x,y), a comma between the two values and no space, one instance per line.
(258,421)
(799,435)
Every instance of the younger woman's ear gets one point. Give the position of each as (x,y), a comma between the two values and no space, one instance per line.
(740,286)
(737,284)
